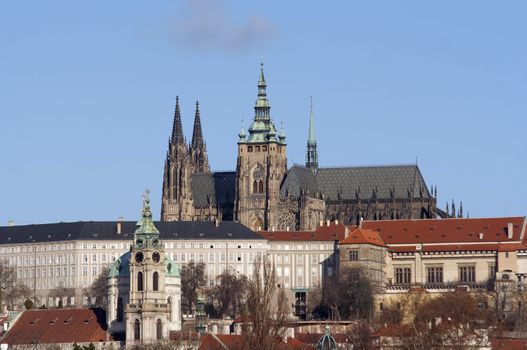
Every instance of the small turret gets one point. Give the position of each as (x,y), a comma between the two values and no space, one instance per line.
(242,134)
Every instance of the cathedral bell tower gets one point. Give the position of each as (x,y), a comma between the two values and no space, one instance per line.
(148,313)
(261,167)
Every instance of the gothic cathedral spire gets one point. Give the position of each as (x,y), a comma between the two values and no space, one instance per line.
(198,149)
(177,127)
(311,151)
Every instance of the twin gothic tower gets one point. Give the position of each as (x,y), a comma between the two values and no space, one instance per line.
(249,195)
(263,194)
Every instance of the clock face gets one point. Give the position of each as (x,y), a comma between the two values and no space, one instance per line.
(139,257)
(156,257)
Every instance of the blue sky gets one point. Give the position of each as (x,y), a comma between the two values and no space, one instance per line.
(87,94)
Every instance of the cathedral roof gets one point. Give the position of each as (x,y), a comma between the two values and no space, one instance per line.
(213,188)
(107,230)
(297,179)
(365,182)
(348,182)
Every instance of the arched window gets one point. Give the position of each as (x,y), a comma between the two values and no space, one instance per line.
(255,186)
(136,330)
(139,281)
(156,281)
(260,186)
(120,310)
(159,329)
(169,305)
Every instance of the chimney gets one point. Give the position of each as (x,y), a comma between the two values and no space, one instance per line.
(272,229)
(346,232)
(321,223)
(480,235)
(360,221)
(287,228)
(510,231)
(10,223)
(216,222)
(327,222)
(120,220)
(336,222)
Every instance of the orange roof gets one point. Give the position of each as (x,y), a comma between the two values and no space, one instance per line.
(508,344)
(447,230)
(233,341)
(58,326)
(322,233)
(364,236)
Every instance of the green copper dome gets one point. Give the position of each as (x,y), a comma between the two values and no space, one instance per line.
(327,342)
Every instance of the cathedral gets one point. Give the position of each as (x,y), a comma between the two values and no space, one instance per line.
(265,194)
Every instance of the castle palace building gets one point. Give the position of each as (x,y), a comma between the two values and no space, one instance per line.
(264,194)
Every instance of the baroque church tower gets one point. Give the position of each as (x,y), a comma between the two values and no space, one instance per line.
(182,161)
(148,312)
(261,166)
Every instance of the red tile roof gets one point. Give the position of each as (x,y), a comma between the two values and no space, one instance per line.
(58,326)
(509,344)
(435,235)
(233,341)
(364,236)
(323,233)
(447,230)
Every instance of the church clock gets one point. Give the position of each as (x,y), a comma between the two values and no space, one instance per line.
(139,257)
(156,257)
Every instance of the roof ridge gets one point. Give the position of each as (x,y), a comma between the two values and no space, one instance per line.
(223,171)
(368,166)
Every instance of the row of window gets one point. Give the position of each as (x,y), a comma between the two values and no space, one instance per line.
(303,247)
(466,274)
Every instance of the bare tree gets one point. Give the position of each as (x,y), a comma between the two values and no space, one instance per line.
(16,295)
(268,312)
(192,280)
(98,290)
(451,320)
(229,293)
(7,278)
(349,297)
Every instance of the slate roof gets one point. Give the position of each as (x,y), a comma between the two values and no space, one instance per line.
(58,326)
(107,230)
(342,183)
(213,188)
(299,178)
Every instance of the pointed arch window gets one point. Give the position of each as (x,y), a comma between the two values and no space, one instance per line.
(258,173)
(137,330)
(156,281)
(159,329)
(139,281)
